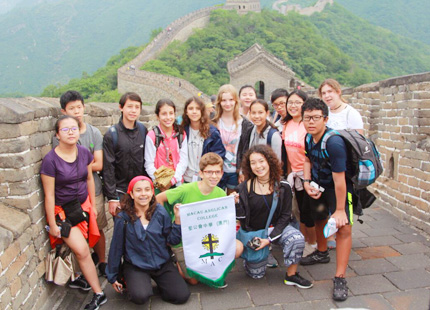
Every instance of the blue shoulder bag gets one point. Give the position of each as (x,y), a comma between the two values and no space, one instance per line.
(249,254)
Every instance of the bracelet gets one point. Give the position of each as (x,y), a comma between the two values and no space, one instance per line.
(307,180)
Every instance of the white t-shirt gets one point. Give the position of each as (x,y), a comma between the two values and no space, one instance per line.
(230,136)
(195,149)
(348,118)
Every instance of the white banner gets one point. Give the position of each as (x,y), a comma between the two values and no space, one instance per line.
(209,238)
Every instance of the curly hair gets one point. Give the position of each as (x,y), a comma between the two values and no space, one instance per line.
(204,119)
(127,205)
(275,166)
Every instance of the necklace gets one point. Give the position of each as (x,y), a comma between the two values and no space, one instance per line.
(263,191)
(262,184)
(195,137)
(337,107)
(264,181)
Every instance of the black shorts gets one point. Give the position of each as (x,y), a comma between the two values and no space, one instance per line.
(325,206)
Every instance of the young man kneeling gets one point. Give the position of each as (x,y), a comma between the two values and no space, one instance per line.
(210,173)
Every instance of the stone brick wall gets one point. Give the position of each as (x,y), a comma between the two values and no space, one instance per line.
(318,7)
(396,113)
(256,64)
(26,130)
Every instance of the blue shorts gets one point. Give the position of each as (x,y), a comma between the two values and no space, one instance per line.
(229,180)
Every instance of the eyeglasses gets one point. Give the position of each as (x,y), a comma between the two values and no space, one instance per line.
(71,129)
(315,118)
(295,102)
(209,172)
(278,105)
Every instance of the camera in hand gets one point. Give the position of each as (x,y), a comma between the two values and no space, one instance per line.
(254,243)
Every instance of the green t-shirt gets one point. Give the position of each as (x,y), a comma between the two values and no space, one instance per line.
(189,192)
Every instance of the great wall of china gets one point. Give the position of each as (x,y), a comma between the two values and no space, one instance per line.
(396,113)
(284,8)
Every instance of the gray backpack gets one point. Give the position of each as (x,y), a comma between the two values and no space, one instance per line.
(363,156)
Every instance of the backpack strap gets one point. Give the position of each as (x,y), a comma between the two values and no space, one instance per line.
(159,136)
(328,134)
(270,135)
(272,209)
(180,138)
(114,133)
(142,130)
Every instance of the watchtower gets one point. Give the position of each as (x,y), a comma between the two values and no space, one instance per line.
(258,67)
(244,6)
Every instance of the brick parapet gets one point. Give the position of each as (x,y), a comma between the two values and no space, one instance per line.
(396,114)
(26,131)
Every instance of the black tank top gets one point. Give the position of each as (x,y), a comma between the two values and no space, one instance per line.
(259,206)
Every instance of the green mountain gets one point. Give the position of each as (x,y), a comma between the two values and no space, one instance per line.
(372,48)
(405,17)
(54,41)
(333,43)
(203,58)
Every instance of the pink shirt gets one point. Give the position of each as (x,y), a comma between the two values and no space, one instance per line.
(167,153)
(294,141)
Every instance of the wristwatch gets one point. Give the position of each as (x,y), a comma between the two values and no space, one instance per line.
(307,180)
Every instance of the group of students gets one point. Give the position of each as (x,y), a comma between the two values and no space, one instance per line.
(239,151)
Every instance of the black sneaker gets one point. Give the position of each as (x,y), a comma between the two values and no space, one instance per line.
(81,283)
(298,281)
(96,302)
(315,257)
(102,269)
(95,258)
(340,289)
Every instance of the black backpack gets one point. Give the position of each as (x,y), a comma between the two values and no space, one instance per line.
(159,137)
(114,132)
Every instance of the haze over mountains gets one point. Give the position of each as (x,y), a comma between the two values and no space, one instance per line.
(46,42)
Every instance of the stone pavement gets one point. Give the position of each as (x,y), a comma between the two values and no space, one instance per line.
(389,268)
